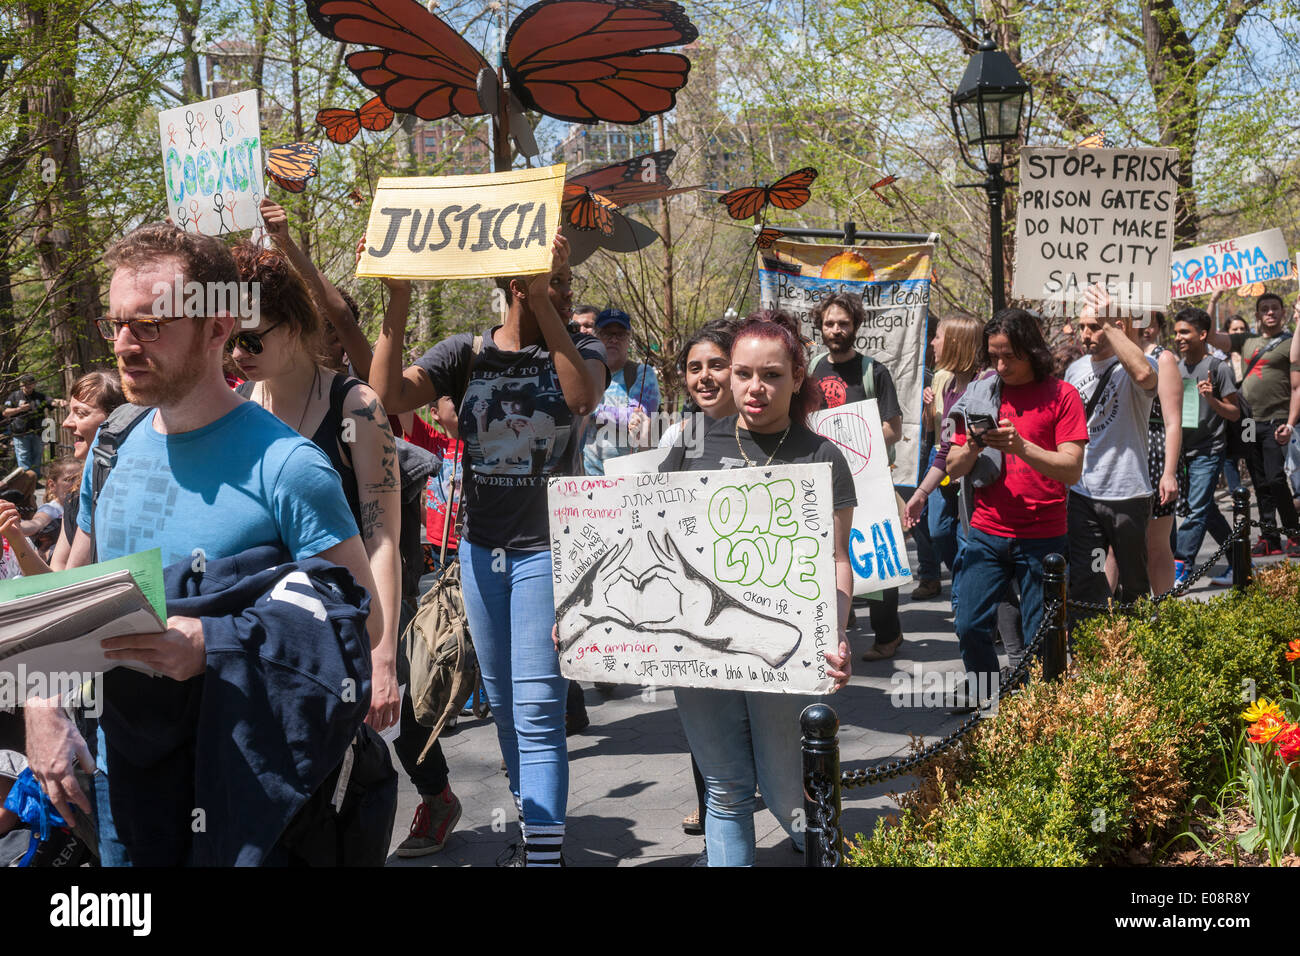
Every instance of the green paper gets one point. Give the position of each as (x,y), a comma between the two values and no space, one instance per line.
(145,567)
(1191,403)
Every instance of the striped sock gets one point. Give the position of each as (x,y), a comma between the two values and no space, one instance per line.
(542,843)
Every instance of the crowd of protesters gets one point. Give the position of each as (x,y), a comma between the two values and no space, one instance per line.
(277,446)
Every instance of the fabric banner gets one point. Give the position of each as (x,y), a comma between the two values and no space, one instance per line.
(1095,215)
(212,164)
(877,550)
(1258,257)
(721,579)
(463,227)
(894,282)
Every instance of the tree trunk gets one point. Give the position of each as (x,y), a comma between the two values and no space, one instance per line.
(187,17)
(67,264)
(1173,72)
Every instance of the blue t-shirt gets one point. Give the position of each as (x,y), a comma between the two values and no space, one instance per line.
(245,480)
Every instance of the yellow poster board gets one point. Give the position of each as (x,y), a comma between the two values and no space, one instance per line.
(463,227)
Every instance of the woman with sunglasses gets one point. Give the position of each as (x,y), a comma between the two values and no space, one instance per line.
(743,739)
(531,375)
(341,415)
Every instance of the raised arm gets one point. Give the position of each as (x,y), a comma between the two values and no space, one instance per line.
(1170,390)
(399,390)
(1097,304)
(581,380)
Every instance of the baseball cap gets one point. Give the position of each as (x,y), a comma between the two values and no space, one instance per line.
(27,378)
(614,317)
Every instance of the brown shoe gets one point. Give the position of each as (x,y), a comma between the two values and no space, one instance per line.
(925,590)
(882,652)
(435,818)
(691,823)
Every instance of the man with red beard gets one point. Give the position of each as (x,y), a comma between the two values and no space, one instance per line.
(204,474)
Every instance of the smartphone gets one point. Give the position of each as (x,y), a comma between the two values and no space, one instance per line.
(978,424)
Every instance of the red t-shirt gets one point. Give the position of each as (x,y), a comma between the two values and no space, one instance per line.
(1025,503)
(441,482)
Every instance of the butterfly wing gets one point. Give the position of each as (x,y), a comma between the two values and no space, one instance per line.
(588,211)
(767,237)
(627,235)
(292,164)
(791,192)
(413,60)
(340,125)
(639,179)
(589,60)
(374,115)
(746,202)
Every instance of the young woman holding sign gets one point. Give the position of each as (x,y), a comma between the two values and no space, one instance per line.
(741,739)
(521,399)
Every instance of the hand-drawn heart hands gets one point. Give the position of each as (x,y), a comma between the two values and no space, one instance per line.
(670,597)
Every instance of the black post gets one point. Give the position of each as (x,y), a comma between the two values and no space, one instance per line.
(850,232)
(1240,549)
(1056,587)
(821,785)
(994,186)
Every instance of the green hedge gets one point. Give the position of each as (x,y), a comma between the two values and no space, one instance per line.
(1072,772)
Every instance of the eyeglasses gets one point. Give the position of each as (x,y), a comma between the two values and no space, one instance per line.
(144,328)
(250,342)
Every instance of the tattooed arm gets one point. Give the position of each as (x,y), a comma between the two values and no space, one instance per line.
(374,458)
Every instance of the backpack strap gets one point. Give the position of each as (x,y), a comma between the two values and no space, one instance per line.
(112,433)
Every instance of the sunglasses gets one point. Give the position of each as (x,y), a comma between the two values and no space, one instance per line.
(143,328)
(250,342)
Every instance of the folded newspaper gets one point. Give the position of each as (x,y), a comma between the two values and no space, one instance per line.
(55,622)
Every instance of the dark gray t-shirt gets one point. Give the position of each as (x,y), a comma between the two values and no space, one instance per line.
(800,447)
(517,430)
(1210,437)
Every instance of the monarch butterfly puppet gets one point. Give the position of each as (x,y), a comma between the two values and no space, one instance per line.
(342,126)
(291,165)
(788,192)
(881,184)
(1095,141)
(583,61)
(590,197)
(767,237)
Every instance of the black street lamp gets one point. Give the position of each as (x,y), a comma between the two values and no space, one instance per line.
(987,109)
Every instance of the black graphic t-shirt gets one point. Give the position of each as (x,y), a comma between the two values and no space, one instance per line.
(801,446)
(840,383)
(517,430)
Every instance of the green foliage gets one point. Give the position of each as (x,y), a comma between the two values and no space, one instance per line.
(1072,772)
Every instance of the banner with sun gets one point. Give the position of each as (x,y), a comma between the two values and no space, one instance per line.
(894,283)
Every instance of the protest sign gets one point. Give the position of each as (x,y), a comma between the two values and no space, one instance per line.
(638,463)
(1095,215)
(1258,257)
(463,227)
(720,579)
(894,282)
(212,164)
(877,550)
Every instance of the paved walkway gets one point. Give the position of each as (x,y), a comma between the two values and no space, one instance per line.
(630,779)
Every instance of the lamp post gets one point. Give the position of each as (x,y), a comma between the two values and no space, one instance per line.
(987,109)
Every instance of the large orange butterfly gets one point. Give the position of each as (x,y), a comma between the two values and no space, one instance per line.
(292,164)
(578,60)
(767,237)
(788,192)
(342,125)
(590,198)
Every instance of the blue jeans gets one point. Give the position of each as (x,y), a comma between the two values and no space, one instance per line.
(28,451)
(988,564)
(743,739)
(1202,479)
(511,611)
(112,851)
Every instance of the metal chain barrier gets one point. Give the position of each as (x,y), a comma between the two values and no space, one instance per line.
(825,819)
(894,768)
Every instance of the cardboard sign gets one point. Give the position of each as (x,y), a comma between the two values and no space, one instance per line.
(464,227)
(1095,215)
(894,282)
(719,579)
(1258,257)
(877,550)
(212,164)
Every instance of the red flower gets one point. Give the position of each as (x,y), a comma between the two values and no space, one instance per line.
(1288,743)
(1293,654)
(1268,729)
